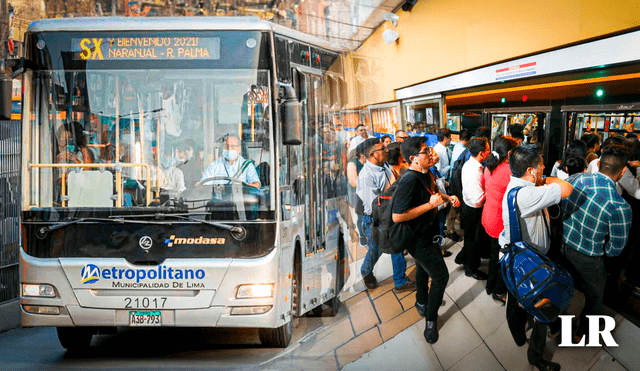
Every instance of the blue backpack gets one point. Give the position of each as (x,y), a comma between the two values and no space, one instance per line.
(542,287)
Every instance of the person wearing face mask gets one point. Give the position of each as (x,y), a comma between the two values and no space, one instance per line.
(231,165)
(537,193)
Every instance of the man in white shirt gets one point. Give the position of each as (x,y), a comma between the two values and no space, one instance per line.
(444,139)
(231,165)
(537,193)
(361,136)
(475,236)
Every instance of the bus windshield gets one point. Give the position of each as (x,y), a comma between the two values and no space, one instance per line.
(196,141)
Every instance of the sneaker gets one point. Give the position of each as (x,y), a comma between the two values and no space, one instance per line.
(408,286)
(422,309)
(431,332)
(455,237)
(370,281)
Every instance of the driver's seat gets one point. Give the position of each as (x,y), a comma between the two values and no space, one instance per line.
(263,171)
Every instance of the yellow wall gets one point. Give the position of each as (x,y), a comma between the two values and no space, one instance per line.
(442,37)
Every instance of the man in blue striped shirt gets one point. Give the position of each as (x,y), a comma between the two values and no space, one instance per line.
(596,224)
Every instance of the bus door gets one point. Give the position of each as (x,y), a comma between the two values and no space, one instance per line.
(311,90)
(535,123)
(531,124)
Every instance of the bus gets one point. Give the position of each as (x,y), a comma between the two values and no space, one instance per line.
(180,172)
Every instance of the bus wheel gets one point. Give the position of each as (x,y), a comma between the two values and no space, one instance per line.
(277,337)
(75,338)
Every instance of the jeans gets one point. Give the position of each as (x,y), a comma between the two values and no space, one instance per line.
(398,262)
(360,226)
(590,276)
(429,264)
(442,219)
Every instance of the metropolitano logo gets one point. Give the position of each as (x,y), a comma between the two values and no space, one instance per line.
(90,273)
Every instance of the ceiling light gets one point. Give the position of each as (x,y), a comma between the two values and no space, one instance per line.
(390,36)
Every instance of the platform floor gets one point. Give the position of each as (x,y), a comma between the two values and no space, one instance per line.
(381,330)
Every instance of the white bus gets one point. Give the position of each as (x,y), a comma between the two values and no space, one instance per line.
(179,172)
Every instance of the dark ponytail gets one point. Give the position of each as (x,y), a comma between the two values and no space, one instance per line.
(501,145)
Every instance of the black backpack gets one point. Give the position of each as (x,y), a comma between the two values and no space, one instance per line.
(455,183)
(392,238)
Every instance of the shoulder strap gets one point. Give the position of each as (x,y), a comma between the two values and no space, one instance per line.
(426,184)
(242,168)
(514,215)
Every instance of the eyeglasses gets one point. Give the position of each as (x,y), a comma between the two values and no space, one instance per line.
(427,152)
(380,149)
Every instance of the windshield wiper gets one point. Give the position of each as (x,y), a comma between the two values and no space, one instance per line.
(42,232)
(237,232)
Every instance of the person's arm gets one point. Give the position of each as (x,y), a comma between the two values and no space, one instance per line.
(453,200)
(435,201)
(619,226)
(252,177)
(208,172)
(630,184)
(565,186)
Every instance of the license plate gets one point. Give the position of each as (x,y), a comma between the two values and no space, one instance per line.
(145,318)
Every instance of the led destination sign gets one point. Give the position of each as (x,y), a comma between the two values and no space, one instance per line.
(146,48)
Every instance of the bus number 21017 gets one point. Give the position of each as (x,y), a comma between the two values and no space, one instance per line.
(145,302)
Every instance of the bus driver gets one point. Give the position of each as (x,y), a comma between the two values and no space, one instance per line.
(231,165)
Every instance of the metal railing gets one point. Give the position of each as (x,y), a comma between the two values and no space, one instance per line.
(10,145)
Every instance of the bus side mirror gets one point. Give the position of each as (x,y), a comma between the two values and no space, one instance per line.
(290,113)
(6,85)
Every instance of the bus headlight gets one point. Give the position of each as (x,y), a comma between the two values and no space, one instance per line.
(255,291)
(38,290)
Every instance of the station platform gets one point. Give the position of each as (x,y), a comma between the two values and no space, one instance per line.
(381,330)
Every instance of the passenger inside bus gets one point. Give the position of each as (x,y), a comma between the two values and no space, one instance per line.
(72,144)
(172,179)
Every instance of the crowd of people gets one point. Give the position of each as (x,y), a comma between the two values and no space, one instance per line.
(580,216)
